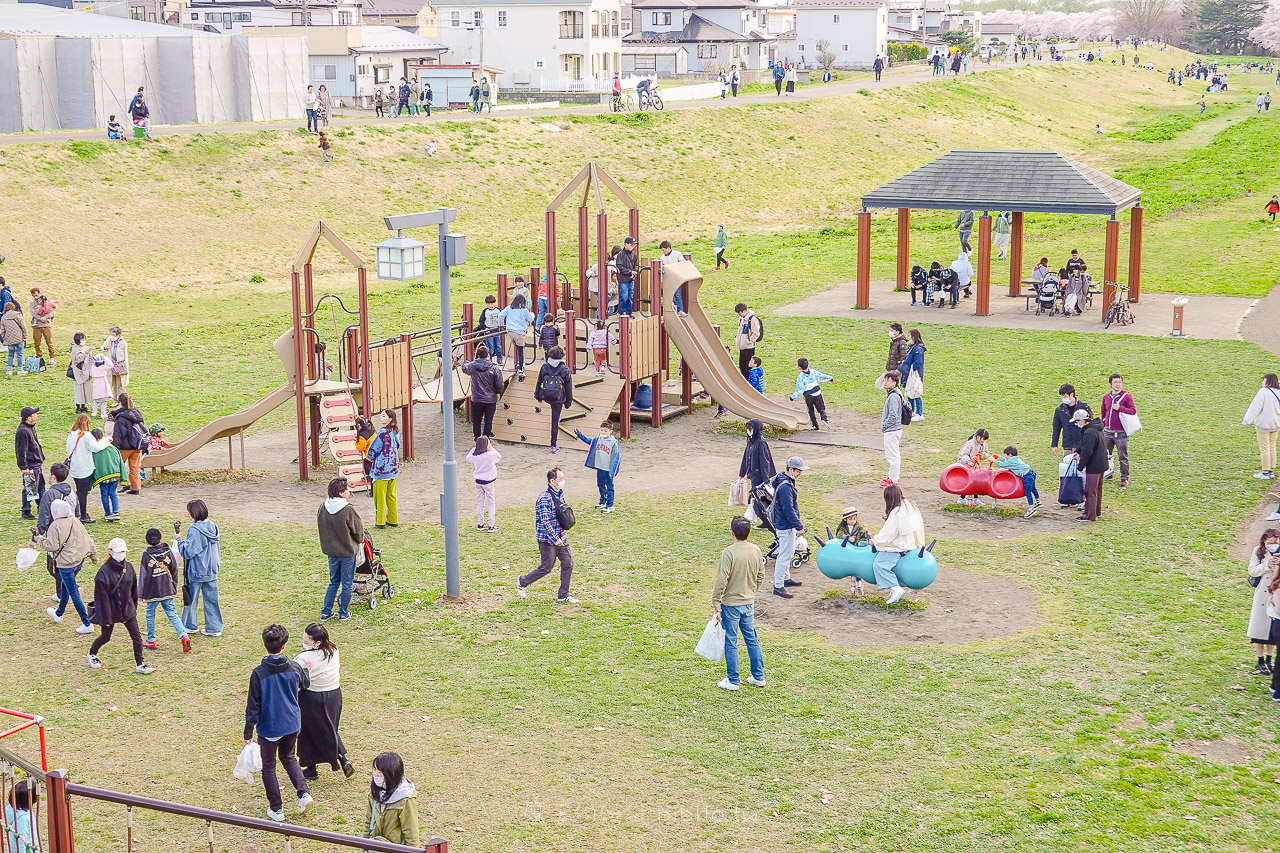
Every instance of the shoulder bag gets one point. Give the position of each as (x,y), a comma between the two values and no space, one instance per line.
(67,461)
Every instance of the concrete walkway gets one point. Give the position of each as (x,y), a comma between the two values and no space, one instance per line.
(1206,317)
(890,80)
(1260,326)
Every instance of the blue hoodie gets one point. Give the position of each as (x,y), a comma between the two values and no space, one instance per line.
(200,552)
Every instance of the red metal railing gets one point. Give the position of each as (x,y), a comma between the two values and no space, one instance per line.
(31,720)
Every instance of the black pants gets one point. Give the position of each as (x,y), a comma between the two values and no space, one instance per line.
(720,259)
(777,84)
(130,625)
(550,552)
(877,75)
(284,747)
(1093,495)
(378,111)
(734,86)
(744,361)
(83,488)
(482,412)
(816,406)
(555,423)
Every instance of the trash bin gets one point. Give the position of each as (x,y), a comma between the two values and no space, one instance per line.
(644,397)
(139,132)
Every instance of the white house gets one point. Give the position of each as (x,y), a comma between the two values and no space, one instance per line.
(856,32)
(237,16)
(667,59)
(718,34)
(352,61)
(415,16)
(548,44)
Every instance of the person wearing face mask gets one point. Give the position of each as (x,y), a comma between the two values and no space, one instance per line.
(392,813)
(1263,630)
(551,514)
(1064,428)
(320,704)
(115,601)
(272,711)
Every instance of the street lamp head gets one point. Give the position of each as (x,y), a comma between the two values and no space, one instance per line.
(400,258)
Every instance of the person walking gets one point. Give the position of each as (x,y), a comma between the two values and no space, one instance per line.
(964,225)
(309,102)
(272,709)
(341,538)
(791,79)
(487,385)
(42,318)
(787,525)
(486,95)
(1064,426)
(722,241)
(324,107)
(201,553)
(13,334)
(58,489)
(735,80)
(1114,406)
(1092,460)
(67,541)
(379,103)
(30,458)
(899,346)
(392,810)
(1273,207)
(903,531)
(158,586)
(912,370)
(320,705)
(1263,631)
(384,453)
(402,97)
(474,96)
(757,460)
(1003,228)
(516,318)
(415,95)
(130,437)
(117,349)
(81,363)
(81,445)
(779,74)
(750,332)
(109,471)
(628,268)
(555,388)
(891,428)
(427,97)
(484,457)
(733,597)
(115,602)
(1264,416)
(551,514)
(878,67)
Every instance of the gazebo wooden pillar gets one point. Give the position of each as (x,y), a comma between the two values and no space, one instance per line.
(1110,262)
(864,260)
(904,248)
(984,265)
(1015,255)
(1135,252)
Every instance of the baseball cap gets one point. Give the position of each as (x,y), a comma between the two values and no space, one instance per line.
(28,411)
(1080,415)
(848,511)
(630,240)
(797,463)
(119,545)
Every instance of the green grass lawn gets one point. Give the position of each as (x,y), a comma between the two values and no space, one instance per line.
(532,727)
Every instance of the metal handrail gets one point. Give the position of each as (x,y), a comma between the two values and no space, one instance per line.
(22,764)
(31,720)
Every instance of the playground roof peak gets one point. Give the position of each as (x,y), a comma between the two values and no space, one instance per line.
(323,231)
(1026,181)
(590,178)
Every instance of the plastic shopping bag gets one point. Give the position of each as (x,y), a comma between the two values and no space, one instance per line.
(738,492)
(249,762)
(711,644)
(1130,423)
(27,558)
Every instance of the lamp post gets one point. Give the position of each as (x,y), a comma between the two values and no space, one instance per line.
(404,261)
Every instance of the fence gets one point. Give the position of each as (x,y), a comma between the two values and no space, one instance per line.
(58,835)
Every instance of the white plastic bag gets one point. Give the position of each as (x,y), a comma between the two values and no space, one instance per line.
(27,558)
(249,762)
(711,644)
(738,491)
(1130,423)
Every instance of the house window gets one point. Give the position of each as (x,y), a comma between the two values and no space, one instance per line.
(476,18)
(246,17)
(662,19)
(571,25)
(138,13)
(646,63)
(325,72)
(502,19)
(455,20)
(801,47)
(835,19)
(344,19)
(844,48)
(538,63)
(381,73)
(195,17)
(595,28)
(212,17)
(615,24)
(363,70)
(297,19)
(706,51)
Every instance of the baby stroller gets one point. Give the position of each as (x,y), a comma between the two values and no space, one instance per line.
(762,503)
(1047,297)
(371,579)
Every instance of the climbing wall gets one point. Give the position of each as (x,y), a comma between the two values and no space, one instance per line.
(338,419)
(523,420)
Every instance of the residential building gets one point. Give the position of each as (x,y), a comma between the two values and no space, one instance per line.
(236,16)
(718,34)
(415,16)
(666,59)
(1000,33)
(856,32)
(352,61)
(538,44)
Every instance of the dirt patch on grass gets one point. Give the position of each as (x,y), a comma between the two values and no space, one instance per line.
(1225,750)
(1248,533)
(962,607)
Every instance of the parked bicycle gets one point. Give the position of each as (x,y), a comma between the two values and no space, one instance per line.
(1119,311)
(624,102)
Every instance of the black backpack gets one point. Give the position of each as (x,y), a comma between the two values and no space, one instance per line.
(906,408)
(551,386)
(761,324)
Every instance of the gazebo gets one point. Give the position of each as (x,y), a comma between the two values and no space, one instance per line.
(1018,181)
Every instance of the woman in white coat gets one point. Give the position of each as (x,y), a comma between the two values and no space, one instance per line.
(1262,628)
(903,531)
(1264,416)
(81,445)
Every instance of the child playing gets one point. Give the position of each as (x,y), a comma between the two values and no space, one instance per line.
(101,373)
(485,458)
(548,335)
(324,365)
(493,328)
(364,437)
(598,342)
(158,585)
(115,130)
(108,470)
(809,384)
(970,454)
(850,526)
(115,597)
(326,154)
(756,374)
(156,431)
(1011,461)
(603,454)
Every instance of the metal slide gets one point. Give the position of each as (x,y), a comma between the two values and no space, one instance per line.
(704,353)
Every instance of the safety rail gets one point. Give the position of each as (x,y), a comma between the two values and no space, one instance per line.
(31,720)
(347,341)
(11,765)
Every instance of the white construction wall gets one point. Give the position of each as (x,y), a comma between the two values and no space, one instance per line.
(38,83)
(277,77)
(214,80)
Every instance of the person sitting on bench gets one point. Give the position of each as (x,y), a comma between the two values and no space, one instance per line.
(920,281)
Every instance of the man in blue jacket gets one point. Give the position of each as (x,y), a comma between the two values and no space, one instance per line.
(273,710)
(786,521)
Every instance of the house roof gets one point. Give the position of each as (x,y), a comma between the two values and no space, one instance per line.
(393,7)
(259,4)
(667,49)
(694,4)
(23,19)
(837,4)
(1027,181)
(698,29)
(393,39)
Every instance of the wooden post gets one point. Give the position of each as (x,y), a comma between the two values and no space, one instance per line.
(633,226)
(624,367)
(864,260)
(502,291)
(308,344)
(231,455)
(62,838)
(406,421)
(1135,253)
(656,413)
(1015,255)
(584,259)
(366,378)
(984,265)
(243,463)
(299,377)
(571,342)
(1110,262)
(313,418)
(535,276)
(552,286)
(468,349)
(602,266)
(904,248)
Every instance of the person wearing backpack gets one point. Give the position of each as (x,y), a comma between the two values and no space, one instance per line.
(895,415)
(555,388)
(130,437)
(750,333)
(1264,416)
(108,472)
(552,517)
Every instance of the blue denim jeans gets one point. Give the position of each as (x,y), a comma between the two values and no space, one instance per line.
(70,590)
(312,122)
(494,343)
(1029,486)
(883,567)
(208,591)
(107,491)
(734,618)
(15,356)
(604,482)
(342,571)
(917,405)
(542,312)
(626,293)
(678,299)
(170,610)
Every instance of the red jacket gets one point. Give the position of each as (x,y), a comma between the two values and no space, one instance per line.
(1111,414)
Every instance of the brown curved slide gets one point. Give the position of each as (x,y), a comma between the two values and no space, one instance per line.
(704,352)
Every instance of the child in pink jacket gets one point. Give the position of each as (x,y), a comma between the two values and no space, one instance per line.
(101,373)
(485,459)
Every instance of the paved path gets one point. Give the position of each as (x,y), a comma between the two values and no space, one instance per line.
(1207,317)
(1259,326)
(890,80)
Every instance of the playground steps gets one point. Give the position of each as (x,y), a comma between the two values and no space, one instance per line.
(338,419)
(520,419)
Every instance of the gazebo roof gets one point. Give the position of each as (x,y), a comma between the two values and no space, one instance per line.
(1027,181)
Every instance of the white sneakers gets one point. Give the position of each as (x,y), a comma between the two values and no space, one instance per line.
(83,629)
(755,682)
(521,591)
(894,594)
(1263,475)
(143,669)
(94,663)
(1275,516)
(726,684)
(304,801)
(53,614)
(278,817)
(568,599)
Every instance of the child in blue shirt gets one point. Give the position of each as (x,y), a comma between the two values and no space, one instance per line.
(1012,462)
(756,374)
(809,385)
(604,455)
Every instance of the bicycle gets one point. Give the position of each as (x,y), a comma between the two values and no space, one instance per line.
(1119,311)
(650,98)
(623,103)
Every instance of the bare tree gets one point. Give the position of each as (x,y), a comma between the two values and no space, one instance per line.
(826,59)
(1143,18)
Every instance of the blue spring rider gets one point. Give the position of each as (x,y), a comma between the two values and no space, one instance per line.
(840,558)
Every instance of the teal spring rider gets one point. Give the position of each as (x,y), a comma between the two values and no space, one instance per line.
(841,558)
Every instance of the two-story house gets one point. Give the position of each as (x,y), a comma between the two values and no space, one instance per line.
(549,44)
(717,34)
(236,16)
(856,32)
(415,16)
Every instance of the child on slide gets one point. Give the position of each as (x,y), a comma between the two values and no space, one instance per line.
(971,454)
